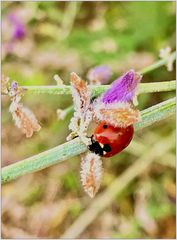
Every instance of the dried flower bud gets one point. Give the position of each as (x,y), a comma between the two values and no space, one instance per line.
(123,89)
(83,114)
(58,80)
(61,114)
(16,92)
(91,173)
(19,30)
(4,84)
(24,119)
(165,53)
(115,106)
(117,114)
(14,85)
(81,93)
(99,75)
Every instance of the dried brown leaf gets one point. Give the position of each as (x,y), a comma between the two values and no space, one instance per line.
(91,173)
(80,93)
(24,119)
(83,114)
(118,115)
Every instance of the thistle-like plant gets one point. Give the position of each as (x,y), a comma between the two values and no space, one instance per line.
(117,114)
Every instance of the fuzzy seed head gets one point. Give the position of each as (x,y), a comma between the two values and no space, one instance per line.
(24,119)
(91,173)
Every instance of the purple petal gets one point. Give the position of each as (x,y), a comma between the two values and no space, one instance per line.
(123,89)
(100,73)
(19,30)
(14,85)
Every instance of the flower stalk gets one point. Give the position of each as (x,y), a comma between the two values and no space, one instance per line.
(72,148)
(97,90)
(159,63)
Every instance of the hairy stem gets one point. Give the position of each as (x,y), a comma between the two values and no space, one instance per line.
(144,87)
(156,113)
(75,147)
(96,90)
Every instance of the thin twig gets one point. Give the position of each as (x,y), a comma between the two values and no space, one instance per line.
(69,18)
(158,64)
(75,147)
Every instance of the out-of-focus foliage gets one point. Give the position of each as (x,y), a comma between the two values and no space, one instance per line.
(60,37)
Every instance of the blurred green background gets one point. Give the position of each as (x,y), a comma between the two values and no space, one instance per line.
(58,38)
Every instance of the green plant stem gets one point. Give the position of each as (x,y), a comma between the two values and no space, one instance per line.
(158,64)
(144,87)
(97,90)
(75,147)
(156,113)
(151,87)
(72,9)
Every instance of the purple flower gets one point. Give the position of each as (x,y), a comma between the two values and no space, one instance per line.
(123,89)
(100,74)
(19,30)
(14,85)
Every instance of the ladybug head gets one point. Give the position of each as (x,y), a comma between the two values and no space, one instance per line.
(99,148)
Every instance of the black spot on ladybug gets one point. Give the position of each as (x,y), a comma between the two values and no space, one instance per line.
(95,147)
(105,126)
(107,148)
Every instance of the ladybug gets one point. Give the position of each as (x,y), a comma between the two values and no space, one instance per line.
(108,140)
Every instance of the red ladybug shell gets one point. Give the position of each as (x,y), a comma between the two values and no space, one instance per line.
(112,140)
